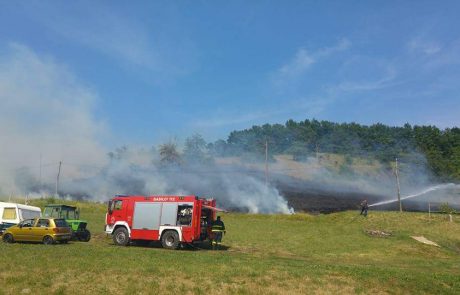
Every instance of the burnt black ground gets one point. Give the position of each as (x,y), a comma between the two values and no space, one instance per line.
(314,200)
(306,196)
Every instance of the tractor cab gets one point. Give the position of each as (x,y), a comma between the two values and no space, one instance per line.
(62,211)
(71,214)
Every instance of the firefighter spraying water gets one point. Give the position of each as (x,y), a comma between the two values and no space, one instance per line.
(364,208)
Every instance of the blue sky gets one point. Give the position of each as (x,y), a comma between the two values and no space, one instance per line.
(147,72)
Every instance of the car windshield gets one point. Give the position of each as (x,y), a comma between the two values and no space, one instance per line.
(60,223)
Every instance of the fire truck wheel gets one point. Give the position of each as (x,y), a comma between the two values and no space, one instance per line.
(170,239)
(121,236)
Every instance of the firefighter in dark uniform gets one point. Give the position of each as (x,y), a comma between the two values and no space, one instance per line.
(218,229)
(364,208)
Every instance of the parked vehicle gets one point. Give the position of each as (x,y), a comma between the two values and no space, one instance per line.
(71,214)
(44,230)
(173,220)
(12,213)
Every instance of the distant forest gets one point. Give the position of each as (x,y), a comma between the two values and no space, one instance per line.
(385,143)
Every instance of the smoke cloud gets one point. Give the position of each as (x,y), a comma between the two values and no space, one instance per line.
(46,116)
(140,171)
(44,113)
(340,182)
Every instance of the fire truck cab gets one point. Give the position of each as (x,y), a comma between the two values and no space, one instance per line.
(173,220)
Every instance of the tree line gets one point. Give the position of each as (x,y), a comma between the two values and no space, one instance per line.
(429,146)
(440,148)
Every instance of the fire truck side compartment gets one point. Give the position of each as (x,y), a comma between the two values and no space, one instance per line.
(169,214)
(147,216)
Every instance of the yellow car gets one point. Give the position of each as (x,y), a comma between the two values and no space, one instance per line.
(44,230)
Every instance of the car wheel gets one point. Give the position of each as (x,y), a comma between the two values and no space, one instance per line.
(8,238)
(121,236)
(48,240)
(170,240)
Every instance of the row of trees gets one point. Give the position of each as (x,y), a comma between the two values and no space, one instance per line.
(439,149)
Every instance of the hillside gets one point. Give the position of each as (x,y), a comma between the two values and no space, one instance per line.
(329,182)
(312,166)
(266,254)
(437,149)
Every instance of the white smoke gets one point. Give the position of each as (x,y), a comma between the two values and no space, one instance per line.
(254,195)
(232,188)
(46,116)
(44,113)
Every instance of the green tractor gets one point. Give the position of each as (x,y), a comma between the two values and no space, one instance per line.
(71,215)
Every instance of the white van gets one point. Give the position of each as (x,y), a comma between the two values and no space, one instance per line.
(12,213)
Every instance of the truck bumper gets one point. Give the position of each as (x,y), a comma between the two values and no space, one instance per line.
(108,229)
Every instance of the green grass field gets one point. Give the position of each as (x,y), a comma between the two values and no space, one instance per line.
(267,254)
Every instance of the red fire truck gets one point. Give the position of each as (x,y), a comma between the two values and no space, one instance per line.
(173,220)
